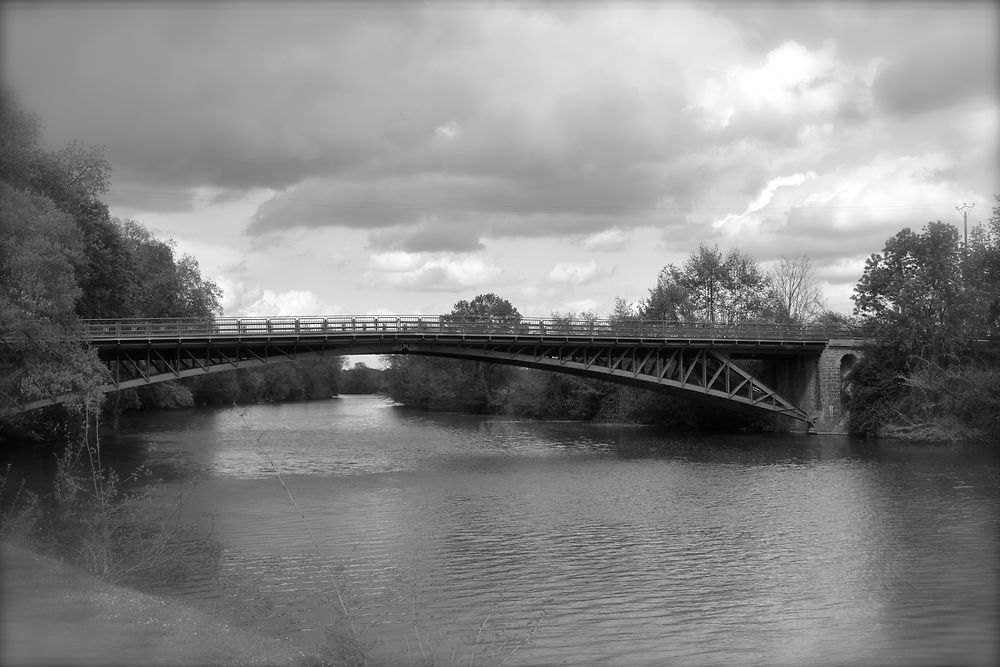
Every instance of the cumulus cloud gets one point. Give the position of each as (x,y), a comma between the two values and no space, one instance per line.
(608,240)
(406,271)
(291,302)
(793,88)
(579,274)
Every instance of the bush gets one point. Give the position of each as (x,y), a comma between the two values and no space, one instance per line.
(110,526)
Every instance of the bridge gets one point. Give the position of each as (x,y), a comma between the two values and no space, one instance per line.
(767,369)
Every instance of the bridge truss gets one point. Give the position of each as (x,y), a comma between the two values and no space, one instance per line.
(698,361)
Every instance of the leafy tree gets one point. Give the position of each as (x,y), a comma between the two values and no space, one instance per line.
(63,258)
(487,306)
(451,384)
(981,270)
(915,294)
(624,311)
(20,141)
(710,287)
(928,300)
(37,293)
(161,285)
(668,300)
(362,379)
(73,178)
(196,296)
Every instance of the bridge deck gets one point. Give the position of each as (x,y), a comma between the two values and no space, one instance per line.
(760,336)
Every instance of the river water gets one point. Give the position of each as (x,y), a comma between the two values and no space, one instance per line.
(473,540)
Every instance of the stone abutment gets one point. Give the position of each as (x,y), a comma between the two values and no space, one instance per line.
(815,384)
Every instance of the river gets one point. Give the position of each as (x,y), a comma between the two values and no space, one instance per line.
(475,540)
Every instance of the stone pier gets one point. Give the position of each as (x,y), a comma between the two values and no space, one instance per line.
(834,364)
(815,384)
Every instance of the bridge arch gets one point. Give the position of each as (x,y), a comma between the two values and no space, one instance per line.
(847,363)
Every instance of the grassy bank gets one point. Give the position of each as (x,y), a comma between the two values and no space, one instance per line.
(56,614)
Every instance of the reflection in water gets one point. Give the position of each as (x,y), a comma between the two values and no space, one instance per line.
(641,547)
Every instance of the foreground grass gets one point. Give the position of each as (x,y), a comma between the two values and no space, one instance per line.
(57,614)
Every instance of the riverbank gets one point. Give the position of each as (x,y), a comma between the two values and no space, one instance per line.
(55,614)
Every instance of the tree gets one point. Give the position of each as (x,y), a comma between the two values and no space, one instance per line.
(40,249)
(451,384)
(928,300)
(20,142)
(73,178)
(624,311)
(710,287)
(795,296)
(981,270)
(362,379)
(915,295)
(161,285)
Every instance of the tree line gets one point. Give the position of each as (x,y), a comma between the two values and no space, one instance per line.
(710,286)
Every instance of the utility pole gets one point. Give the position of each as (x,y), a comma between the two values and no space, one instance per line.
(964,208)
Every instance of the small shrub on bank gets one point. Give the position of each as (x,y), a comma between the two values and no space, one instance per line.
(21,517)
(110,526)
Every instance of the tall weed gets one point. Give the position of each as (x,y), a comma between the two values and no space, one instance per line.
(109,525)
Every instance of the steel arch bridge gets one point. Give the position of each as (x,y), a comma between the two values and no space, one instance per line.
(695,360)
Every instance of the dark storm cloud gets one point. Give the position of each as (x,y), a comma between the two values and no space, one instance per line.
(238,100)
(230,96)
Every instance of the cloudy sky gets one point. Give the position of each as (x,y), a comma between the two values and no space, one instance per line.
(374,158)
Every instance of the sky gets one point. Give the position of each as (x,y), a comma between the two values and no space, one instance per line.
(335,158)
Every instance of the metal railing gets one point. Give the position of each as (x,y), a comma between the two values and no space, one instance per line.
(456,325)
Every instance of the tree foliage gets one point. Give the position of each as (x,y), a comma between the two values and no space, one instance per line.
(62,257)
(916,295)
(160,285)
(486,306)
(709,287)
(37,293)
(451,384)
(928,300)
(361,379)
